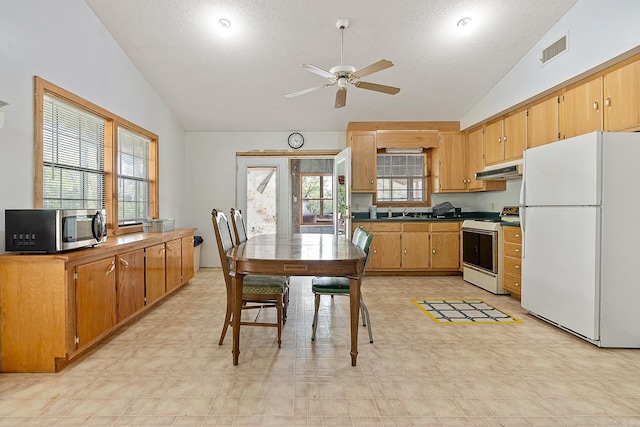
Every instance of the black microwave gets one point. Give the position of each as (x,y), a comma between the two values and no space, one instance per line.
(53,230)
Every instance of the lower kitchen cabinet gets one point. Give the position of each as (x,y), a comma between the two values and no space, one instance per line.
(173,259)
(130,284)
(512,260)
(55,308)
(413,246)
(154,273)
(95,299)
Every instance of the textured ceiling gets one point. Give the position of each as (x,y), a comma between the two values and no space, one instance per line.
(237,82)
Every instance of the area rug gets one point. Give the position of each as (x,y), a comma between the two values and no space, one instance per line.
(463,311)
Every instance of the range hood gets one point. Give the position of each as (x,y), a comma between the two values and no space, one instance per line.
(507,170)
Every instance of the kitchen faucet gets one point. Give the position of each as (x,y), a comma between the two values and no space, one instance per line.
(405,211)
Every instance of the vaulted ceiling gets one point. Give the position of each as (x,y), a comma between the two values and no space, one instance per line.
(237,81)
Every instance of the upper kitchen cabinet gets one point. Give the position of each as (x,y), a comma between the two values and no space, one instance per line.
(475,163)
(363,160)
(543,124)
(406,139)
(451,161)
(505,139)
(622,97)
(582,108)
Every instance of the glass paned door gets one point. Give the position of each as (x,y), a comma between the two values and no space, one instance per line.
(342,192)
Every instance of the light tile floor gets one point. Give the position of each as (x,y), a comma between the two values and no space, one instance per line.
(166,368)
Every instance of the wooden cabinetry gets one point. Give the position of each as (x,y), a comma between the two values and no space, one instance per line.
(95,299)
(452,162)
(512,260)
(505,139)
(54,308)
(456,161)
(130,285)
(173,264)
(622,97)
(413,246)
(154,272)
(543,124)
(363,160)
(582,108)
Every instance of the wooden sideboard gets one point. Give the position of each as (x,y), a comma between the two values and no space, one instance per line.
(54,308)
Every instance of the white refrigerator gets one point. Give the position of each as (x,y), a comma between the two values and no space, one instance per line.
(581,244)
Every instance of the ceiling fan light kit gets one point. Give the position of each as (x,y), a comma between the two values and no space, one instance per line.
(342,75)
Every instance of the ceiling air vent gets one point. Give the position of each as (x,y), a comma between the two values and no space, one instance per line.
(555,49)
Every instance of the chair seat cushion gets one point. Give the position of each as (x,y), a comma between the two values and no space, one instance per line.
(330,285)
(263,284)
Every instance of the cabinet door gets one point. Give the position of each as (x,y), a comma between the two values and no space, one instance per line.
(582,109)
(363,161)
(445,250)
(384,252)
(187,258)
(155,272)
(475,163)
(542,123)
(515,135)
(173,259)
(95,299)
(493,147)
(130,284)
(415,250)
(453,170)
(622,98)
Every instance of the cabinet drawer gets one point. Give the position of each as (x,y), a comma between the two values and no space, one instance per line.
(445,226)
(365,225)
(512,283)
(512,250)
(386,226)
(512,266)
(512,234)
(412,226)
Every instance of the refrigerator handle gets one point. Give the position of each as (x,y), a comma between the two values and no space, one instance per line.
(522,215)
(522,184)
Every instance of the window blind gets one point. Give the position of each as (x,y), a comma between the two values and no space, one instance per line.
(133,177)
(400,178)
(73,157)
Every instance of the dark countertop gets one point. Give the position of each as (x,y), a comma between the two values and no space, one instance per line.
(510,224)
(425,217)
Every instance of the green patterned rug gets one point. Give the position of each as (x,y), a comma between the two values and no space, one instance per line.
(464,311)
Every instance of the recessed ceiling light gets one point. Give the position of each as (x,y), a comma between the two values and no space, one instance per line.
(224,23)
(464,22)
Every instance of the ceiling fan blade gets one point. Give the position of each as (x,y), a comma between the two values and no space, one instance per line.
(341,98)
(317,70)
(378,88)
(311,89)
(373,68)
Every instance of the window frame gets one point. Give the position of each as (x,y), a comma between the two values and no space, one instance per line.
(427,185)
(321,199)
(112,122)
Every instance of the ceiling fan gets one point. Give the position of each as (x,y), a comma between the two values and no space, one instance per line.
(346,74)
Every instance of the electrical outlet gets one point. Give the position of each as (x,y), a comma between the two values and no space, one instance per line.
(357,207)
(493,206)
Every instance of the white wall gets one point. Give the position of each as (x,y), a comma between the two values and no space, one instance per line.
(598,31)
(63,42)
(212,171)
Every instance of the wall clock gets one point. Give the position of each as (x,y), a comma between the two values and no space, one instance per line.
(296,140)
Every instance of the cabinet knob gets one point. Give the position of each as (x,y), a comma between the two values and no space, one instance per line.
(372,181)
(124,262)
(499,140)
(516,284)
(433,251)
(161,251)
(169,248)
(517,250)
(517,235)
(596,106)
(517,267)
(504,138)
(607,102)
(111,268)
(375,251)
(405,250)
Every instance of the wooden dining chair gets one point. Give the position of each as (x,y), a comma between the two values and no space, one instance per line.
(239,229)
(257,291)
(240,233)
(340,285)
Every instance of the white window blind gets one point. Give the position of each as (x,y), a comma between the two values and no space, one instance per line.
(400,178)
(133,177)
(73,157)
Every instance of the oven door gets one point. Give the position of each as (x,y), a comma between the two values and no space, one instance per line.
(479,249)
